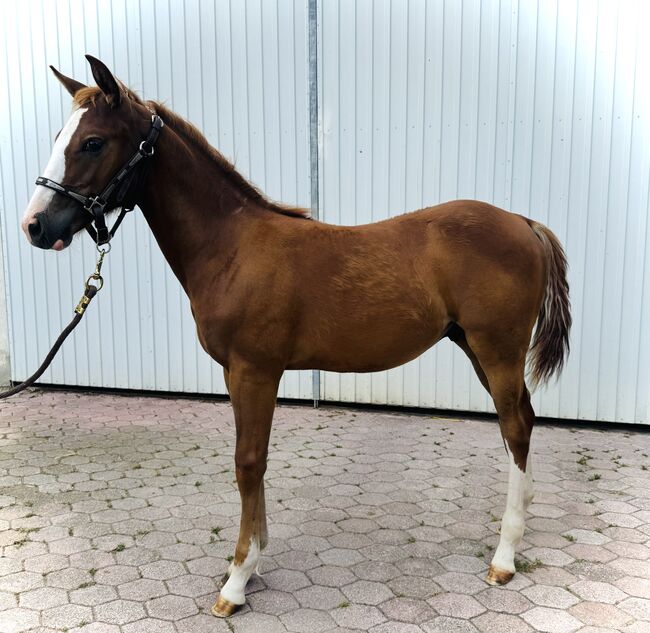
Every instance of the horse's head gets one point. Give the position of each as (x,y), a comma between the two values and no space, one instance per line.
(104,130)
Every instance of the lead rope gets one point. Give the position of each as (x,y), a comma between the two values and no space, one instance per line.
(90,290)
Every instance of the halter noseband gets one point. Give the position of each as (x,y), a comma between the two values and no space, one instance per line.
(118,184)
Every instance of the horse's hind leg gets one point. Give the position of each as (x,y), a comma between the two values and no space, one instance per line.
(457,335)
(505,375)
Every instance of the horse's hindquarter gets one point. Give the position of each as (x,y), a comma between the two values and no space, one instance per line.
(494,267)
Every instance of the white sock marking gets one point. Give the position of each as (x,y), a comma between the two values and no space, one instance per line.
(55,170)
(520,491)
(233,590)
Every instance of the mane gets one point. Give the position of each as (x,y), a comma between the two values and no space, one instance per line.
(88,95)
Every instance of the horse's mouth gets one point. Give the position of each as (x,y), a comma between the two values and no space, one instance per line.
(57,244)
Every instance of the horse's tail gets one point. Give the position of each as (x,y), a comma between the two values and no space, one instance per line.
(550,345)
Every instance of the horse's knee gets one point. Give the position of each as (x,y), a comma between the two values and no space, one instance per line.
(250,466)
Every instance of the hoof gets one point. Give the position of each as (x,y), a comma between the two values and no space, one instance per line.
(499,576)
(223,608)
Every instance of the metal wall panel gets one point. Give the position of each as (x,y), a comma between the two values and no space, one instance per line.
(538,106)
(239,71)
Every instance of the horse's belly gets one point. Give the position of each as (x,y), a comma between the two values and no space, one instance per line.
(365,348)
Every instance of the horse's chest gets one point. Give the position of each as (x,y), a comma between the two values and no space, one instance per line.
(214,329)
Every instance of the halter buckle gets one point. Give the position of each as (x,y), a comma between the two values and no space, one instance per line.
(98,202)
(143,151)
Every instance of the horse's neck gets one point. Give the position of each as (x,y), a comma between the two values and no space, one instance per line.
(189,205)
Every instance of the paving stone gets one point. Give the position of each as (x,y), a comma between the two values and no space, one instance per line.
(326,575)
(549,596)
(9,566)
(289,580)
(504,600)
(192,586)
(129,539)
(375,570)
(300,561)
(334,556)
(316,597)
(116,575)
(69,545)
(273,602)
(395,627)
(357,616)
(46,563)
(551,620)
(201,623)
(119,611)
(598,614)
(93,595)
(164,569)
(259,623)
(96,627)
(554,557)
(407,610)
(8,600)
(597,591)
(635,627)
(301,620)
(491,622)
(461,583)
(44,598)
(594,553)
(598,629)
(66,616)
(171,607)
(637,607)
(142,590)
(465,564)
(18,620)
(445,624)
(637,587)
(630,567)
(367,592)
(555,576)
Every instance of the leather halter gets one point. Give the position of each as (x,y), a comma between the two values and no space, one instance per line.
(115,192)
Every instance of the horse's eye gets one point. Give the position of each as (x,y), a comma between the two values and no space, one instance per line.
(92,145)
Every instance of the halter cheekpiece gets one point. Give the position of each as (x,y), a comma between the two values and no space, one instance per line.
(115,193)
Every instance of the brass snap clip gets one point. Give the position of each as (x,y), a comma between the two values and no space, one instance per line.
(91,289)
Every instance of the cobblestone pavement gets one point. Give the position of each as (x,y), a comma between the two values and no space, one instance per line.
(117,514)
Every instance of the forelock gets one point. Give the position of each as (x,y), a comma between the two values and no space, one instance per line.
(88,95)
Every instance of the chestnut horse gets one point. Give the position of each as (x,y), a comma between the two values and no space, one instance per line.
(271,289)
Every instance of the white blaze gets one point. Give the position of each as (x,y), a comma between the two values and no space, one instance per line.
(55,170)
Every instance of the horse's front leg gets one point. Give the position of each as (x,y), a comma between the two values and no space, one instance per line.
(253,393)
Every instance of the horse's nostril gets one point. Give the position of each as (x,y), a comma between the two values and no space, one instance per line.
(35,229)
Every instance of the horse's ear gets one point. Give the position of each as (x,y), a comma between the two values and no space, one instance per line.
(105,80)
(71,85)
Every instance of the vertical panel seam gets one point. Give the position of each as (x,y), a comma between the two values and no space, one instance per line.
(312,26)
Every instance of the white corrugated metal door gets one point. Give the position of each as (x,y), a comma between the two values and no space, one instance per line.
(237,70)
(539,106)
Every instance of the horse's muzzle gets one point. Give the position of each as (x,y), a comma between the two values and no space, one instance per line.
(45,234)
